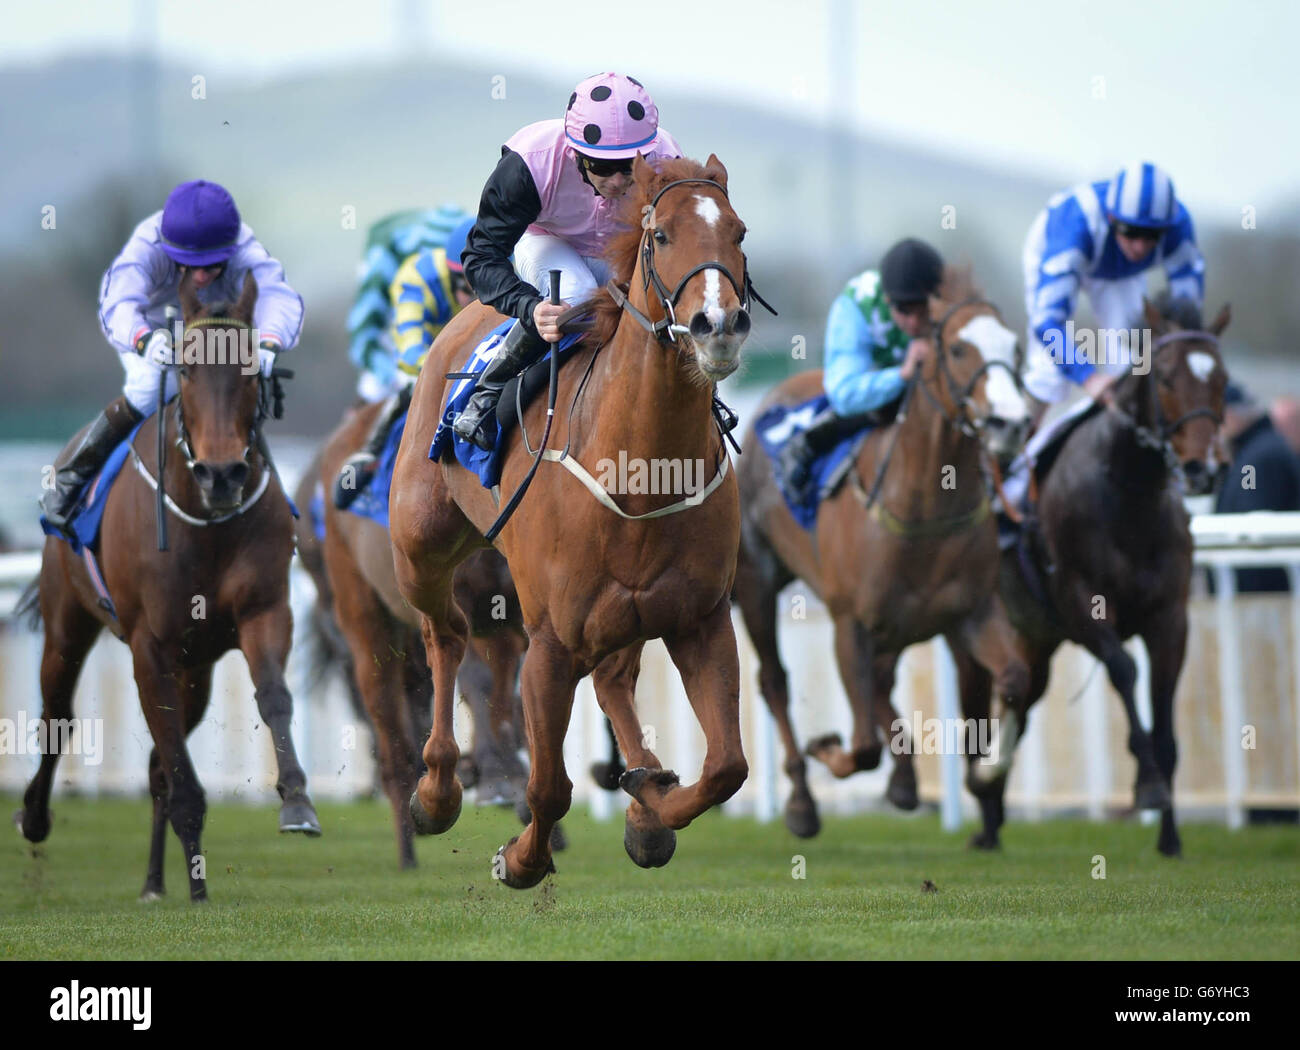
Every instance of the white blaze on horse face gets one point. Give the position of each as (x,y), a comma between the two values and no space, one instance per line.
(707,209)
(996,342)
(1201,364)
(712,304)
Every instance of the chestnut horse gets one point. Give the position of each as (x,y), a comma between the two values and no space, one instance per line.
(385,659)
(1113,550)
(223,583)
(595,583)
(905,549)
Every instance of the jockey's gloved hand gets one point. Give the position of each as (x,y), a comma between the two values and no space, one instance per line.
(159,348)
(266,356)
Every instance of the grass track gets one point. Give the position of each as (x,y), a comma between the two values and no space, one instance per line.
(728,893)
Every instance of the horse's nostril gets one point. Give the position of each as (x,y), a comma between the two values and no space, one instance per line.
(737,323)
(202,474)
(237,475)
(701,326)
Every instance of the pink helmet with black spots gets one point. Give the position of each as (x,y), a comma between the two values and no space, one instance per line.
(612,116)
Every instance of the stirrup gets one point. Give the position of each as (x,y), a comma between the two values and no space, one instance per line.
(362,472)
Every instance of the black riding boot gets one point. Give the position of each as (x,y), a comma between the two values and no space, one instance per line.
(826,430)
(105,434)
(522,346)
(359,468)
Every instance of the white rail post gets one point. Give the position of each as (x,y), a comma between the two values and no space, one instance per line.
(1234,772)
(945,678)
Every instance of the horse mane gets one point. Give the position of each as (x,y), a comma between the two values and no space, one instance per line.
(1182,311)
(600,314)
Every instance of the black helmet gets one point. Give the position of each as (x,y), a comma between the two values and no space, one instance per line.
(911,271)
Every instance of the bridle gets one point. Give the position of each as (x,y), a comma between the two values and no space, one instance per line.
(667,329)
(1159,439)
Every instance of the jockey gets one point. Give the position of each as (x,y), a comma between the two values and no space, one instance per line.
(198,232)
(428,290)
(552,201)
(1101,237)
(877,335)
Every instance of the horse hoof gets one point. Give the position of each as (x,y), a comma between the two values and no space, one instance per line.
(902,793)
(635,780)
(801,817)
(559,840)
(1152,795)
(500,791)
(529,878)
(467,772)
(148,896)
(820,743)
(427,825)
(1170,847)
(867,757)
(649,848)
(607,775)
(298,814)
(983,840)
(33,829)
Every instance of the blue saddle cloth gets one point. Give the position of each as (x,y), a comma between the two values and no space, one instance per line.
(486,465)
(777,426)
(89,512)
(372,501)
(316,510)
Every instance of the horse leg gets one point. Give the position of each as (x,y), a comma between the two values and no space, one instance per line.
(607,774)
(70,631)
(975,685)
(647,841)
(435,805)
(549,678)
(992,642)
(264,639)
(758,584)
(901,789)
(164,705)
(502,777)
(373,645)
(1166,642)
(854,652)
(196,688)
(1101,639)
(710,670)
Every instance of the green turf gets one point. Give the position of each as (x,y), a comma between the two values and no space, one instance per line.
(728,893)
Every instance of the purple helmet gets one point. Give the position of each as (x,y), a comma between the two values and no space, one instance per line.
(200,224)
(612,116)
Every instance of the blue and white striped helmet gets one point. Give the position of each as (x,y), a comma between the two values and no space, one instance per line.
(1142,195)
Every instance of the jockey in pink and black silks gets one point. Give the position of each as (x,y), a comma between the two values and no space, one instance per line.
(552,202)
(198,231)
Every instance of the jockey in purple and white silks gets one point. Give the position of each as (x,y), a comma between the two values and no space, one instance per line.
(199,231)
(1101,238)
(552,201)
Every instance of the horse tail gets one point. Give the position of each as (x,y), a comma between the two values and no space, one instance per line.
(28,610)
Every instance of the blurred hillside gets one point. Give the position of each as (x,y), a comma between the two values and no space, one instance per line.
(103,140)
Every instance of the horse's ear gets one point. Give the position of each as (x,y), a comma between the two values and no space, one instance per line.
(1221,322)
(190,305)
(717,171)
(1152,315)
(243,309)
(642,172)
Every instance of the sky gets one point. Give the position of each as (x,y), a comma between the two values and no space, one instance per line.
(1071,91)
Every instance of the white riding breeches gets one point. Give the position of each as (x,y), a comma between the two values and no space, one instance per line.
(537,254)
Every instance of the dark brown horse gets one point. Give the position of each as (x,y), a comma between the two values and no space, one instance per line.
(905,549)
(223,584)
(595,583)
(1112,550)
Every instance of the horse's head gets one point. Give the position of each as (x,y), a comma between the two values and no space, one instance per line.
(973,367)
(689,265)
(1189,383)
(219,393)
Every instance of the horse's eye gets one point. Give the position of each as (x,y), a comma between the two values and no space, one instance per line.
(661,237)
(741,238)
(958,349)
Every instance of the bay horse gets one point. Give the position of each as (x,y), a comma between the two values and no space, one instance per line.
(595,583)
(904,550)
(1112,548)
(222,584)
(384,657)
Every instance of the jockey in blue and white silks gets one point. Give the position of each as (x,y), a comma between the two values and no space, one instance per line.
(199,232)
(1101,237)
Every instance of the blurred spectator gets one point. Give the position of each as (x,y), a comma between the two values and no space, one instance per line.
(1286,419)
(1264,475)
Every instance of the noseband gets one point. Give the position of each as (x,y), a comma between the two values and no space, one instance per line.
(668,326)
